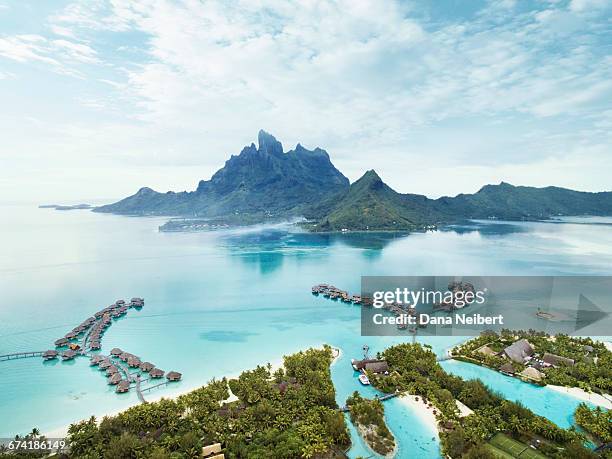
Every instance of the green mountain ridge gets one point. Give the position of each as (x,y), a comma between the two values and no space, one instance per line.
(263,182)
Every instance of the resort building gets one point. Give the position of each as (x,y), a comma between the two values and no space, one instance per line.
(173,376)
(557,360)
(519,351)
(532,373)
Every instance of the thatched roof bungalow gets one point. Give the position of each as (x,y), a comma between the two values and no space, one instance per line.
(123,387)
(532,373)
(116,351)
(173,376)
(68,355)
(557,360)
(134,361)
(114,378)
(50,354)
(156,373)
(111,370)
(146,366)
(380,367)
(519,351)
(507,368)
(61,342)
(96,359)
(106,363)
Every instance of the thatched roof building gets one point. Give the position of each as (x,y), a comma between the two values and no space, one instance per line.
(114,378)
(532,373)
(173,376)
(68,355)
(507,368)
(106,363)
(96,359)
(377,367)
(156,373)
(519,351)
(557,360)
(50,354)
(111,370)
(133,361)
(146,366)
(61,342)
(123,386)
(116,351)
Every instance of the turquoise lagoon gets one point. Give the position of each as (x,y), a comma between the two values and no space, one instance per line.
(221,302)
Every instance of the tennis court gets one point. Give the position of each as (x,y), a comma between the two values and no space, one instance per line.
(514,448)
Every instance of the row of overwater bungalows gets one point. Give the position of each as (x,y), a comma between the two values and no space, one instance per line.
(91,330)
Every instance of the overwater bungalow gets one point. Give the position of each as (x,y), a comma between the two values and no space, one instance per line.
(106,363)
(116,351)
(146,366)
(70,335)
(50,354)
(96,359)
(123,387)
(95,345)
(156,373)
(119,302)
(173,376)
(112,370)
(114,378)
(124,356)
(61,342)
(68,355)
(133,361)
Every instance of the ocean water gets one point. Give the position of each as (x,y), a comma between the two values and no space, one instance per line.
(221,302)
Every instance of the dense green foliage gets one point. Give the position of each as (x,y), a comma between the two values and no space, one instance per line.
(291,413)
(592,369)
(414,369)
(598,422)
(369,417)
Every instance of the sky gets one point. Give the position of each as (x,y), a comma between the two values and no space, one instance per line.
(99,98)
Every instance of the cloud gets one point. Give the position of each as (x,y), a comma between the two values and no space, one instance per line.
(385,84)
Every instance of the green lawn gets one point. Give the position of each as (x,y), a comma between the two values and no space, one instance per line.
(514,448)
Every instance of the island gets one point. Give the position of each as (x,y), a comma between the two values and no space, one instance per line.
(473,421)
(265,183)
(289,412)
(540,358)
(66,207)
(368,417)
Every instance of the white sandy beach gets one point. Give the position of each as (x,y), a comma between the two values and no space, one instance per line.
(595,399)
(424,412)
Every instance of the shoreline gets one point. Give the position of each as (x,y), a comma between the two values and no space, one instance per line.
(61,432)
(592,397)
(423,412)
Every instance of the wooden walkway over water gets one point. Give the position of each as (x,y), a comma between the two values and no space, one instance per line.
(345,408)
(21,355)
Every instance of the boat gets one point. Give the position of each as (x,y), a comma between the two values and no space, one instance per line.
(363,379)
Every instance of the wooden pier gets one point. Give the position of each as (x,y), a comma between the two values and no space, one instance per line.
(21,355)
(345,409)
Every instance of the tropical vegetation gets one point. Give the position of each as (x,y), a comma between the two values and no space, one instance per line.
(414,369)
(369,418)
(592,369)
(596,421)
(287,413)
